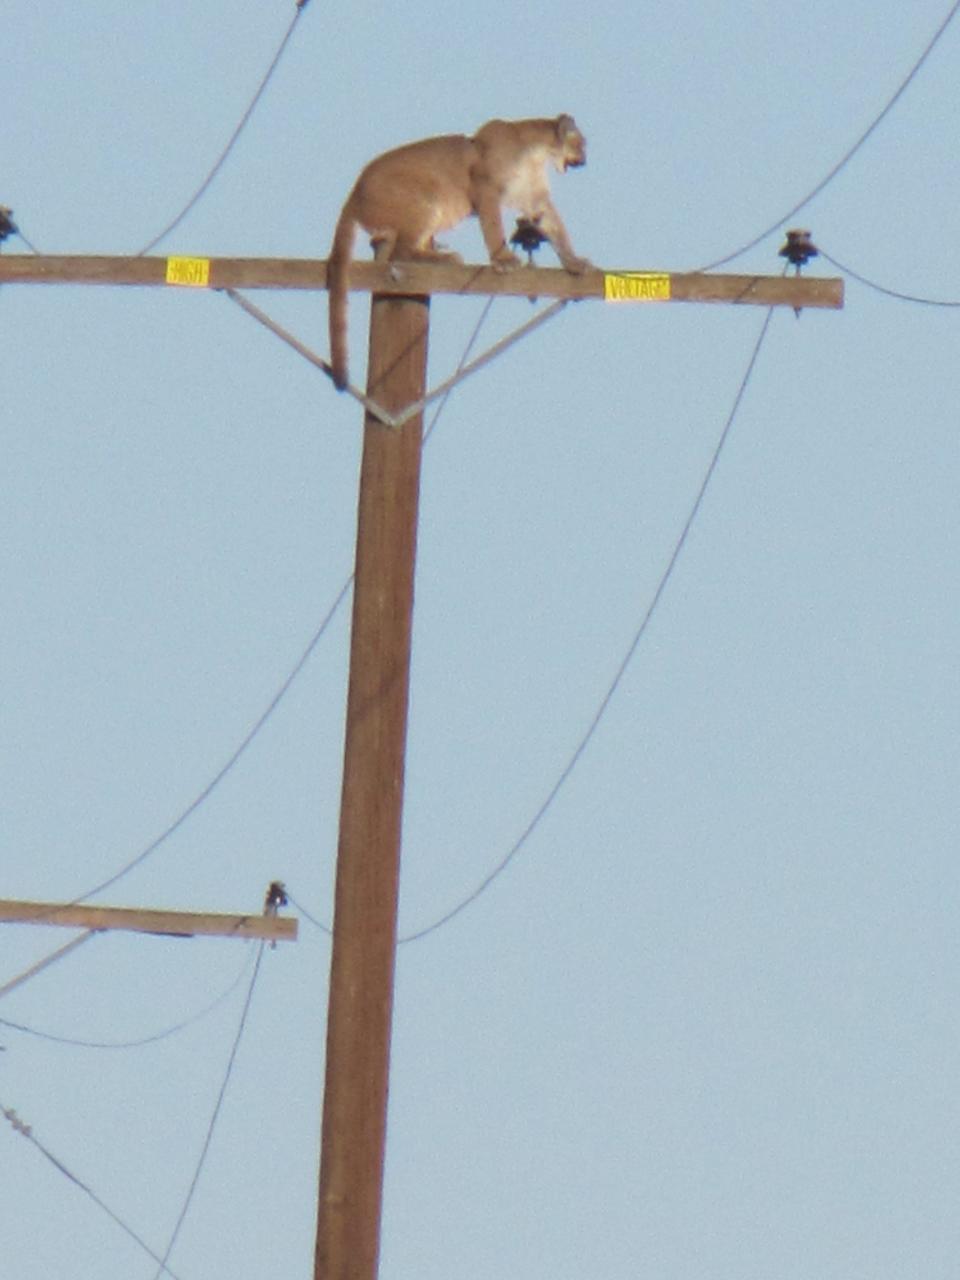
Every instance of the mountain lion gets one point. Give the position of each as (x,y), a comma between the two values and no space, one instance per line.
(406,197)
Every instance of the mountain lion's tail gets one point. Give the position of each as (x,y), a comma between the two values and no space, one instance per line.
(338,269)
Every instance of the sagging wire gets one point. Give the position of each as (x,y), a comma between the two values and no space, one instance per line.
(218,777)
(26,1131)
(614,685)
(884,289)
(244,120)
(318,924)
(317,636)
(850,153)
(215,1116)
(165,1034)
(621,671)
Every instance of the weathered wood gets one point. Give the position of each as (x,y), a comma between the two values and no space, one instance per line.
(422,279)
(182,924)
(368,861)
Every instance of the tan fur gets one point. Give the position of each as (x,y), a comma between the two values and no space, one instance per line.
(406,197)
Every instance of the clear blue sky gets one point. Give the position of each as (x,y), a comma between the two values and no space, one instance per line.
(704,1025)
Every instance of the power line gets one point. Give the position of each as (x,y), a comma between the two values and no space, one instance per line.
(471,343)
(244,120)
(890,293)
(26,1131)
(607,698)
(199,799)
(431,426)
(216,1113)
(848,155)
(581,747)
(222,158)
(235,756)
(218,777)
(132,1044)
(307,916)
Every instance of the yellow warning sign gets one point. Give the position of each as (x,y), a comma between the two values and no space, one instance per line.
(193,273)
(636,286)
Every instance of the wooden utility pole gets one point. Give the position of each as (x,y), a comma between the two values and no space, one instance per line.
(368,860)
(364,944)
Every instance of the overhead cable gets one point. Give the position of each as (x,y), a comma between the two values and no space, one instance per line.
(26,1131)
(73,1042)
(244,120)
(213,1119)
(884,289)
(850,153)
(344,591)
(621,671)
(324,928)
(218,777)
(607,698)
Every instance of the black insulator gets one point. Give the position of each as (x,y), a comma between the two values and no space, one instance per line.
(276,897)
(7,225)
(528,236)
(799,249)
